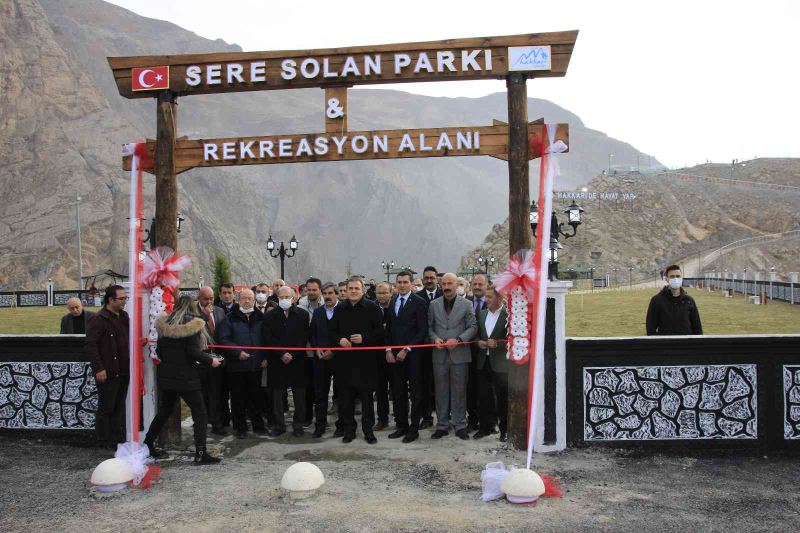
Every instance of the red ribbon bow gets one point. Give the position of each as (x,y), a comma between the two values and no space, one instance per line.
(162,268)
(520,272)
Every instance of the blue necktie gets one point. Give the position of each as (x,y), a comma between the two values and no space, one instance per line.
(402,301)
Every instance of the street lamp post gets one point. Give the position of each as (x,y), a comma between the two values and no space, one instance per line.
(150,233)
(486,263)
(573,219)
(387,266)
(282,251)
(78,199)
(630,277)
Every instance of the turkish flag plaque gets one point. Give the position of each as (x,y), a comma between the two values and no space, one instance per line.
(150,78)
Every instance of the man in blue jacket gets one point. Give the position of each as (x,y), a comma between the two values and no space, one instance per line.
(407,325)
(243,327)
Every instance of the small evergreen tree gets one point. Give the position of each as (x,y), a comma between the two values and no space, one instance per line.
(222,270)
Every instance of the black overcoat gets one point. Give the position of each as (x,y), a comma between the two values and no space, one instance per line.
(357,368)
(290,330)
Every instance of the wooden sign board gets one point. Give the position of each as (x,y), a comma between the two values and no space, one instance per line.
(535,55)
(347,146)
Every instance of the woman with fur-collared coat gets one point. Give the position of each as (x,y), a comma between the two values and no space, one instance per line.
(181,341)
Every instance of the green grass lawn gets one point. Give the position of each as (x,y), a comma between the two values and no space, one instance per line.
(622,314)
(602,314)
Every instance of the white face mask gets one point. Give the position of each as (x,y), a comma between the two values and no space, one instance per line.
(246,310)
(461,291)
(675,283)
(261,297)
(285,303)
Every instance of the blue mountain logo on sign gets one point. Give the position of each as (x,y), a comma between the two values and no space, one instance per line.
(536,58)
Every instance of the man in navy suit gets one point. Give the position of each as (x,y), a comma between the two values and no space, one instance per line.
(407,325)
(478,300)
(429,292)
(323,359)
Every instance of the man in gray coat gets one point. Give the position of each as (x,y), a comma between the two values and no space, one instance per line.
(451,320)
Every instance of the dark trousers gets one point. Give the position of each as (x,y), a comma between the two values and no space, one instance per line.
(309,391)
(383,392)
(109,422)
(472,391)
(428,388)
(407,381)
(278,407)
(215,395)
(246,399)
(323,376)
(166,404)
(347,409)
(492,397)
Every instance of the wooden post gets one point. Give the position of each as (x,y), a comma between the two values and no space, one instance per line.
(167,207)
(336,97)
(519,238)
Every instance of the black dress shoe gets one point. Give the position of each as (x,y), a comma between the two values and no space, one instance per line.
(347,439)
(439,433)
(370,438)
(276,432)
(503,436)
(411,436)
(462,434)
(381,425)
(426,423)
(480,434)
(318,433)
(473,425)
(219,430)
(398,433)
(338,433)
(298,432)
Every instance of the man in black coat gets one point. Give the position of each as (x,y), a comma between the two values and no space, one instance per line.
(74,322)
(287,327)
(478,300)
(430,291)
(243,327)
(356,323)
(383,296)
(323,359)
(108,351)
(215,384)
(672,311)
(407,325)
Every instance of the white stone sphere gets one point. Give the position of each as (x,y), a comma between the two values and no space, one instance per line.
(522,485)
(111,475)
(302,480)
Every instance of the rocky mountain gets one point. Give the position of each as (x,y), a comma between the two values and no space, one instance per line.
(62,124)
(684,216)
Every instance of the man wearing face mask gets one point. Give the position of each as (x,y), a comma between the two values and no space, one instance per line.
(262,295)
(287,327)
(672,311)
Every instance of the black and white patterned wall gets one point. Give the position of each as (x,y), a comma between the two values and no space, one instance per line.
(670,402)
(33,299)
(7,300)
(791,402)
(47,395)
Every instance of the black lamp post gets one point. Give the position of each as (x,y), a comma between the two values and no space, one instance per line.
(150,234)
(573,213)
(282,252)
(387,266)
(486,262)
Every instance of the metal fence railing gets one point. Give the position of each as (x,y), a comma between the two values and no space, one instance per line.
(772,290)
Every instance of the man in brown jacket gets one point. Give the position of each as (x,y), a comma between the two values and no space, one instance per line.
(107,349)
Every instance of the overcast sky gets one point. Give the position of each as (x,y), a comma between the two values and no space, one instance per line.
(685,81)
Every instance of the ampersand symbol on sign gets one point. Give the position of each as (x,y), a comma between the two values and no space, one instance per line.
(334,109)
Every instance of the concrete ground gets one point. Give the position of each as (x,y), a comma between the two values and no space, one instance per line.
(424,486)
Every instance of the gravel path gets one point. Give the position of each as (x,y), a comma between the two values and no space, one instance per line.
(425,486)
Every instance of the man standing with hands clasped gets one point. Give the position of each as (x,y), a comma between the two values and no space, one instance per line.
(451,320)
(672,311)
(356,323)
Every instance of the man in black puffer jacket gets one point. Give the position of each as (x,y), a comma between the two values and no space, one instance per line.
(672,311)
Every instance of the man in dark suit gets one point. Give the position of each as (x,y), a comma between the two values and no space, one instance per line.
(356,323)
(323,359)
(226,291)
(289,327)
(383,295)
(492,366)
(74,322)
(430,291)
(407,325)
(215,386)
(478,300)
